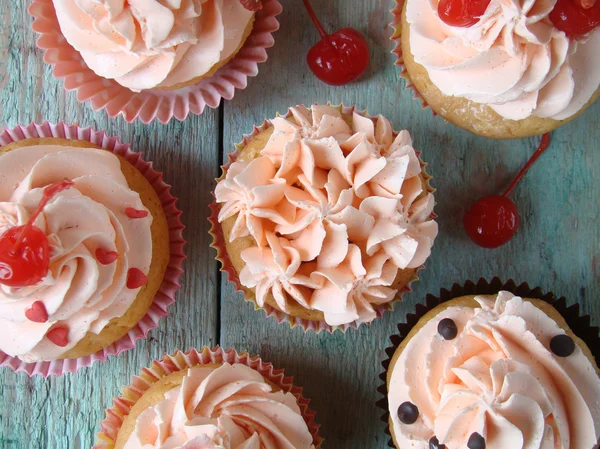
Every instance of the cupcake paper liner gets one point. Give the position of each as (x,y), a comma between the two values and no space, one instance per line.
(109,428)
(580,325)
(396,26)
(149,105)
(165,294)
(226,267)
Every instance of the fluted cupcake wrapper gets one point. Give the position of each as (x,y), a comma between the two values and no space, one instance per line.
(580,325)
(226,267)
(165,295)
(109,428)
(396,37)
(150,105)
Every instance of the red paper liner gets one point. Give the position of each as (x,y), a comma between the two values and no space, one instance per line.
(580,325)
(165,295)
(396,25)
(149,105)
(226,267)
(109,428)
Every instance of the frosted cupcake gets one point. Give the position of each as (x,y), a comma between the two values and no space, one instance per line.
(88,267)
(210,399)
(155,45)
(325,215)
(501,69)
(493,371)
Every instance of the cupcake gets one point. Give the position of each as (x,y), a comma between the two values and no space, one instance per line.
(90,265)
(155,60)
(493,371)
(501,69)
(210,399)
(324,217)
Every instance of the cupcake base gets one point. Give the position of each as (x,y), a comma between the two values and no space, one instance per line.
(559,311)
(159,293)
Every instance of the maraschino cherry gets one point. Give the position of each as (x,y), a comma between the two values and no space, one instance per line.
(339,58)
(493,220)
(576,17)
(461,13)
(24,250)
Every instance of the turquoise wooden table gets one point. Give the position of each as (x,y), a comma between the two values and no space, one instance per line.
(556,248)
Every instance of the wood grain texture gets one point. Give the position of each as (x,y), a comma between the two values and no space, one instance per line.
(557,248)
(66,412)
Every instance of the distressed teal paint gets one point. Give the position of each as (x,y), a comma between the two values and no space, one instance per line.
(557,247)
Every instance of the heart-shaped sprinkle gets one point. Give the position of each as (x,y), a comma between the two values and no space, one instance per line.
(59,336)
(252,5)
(106,257)
(434,443)
(136,213)
(476,441)
(37,312)
(136,278)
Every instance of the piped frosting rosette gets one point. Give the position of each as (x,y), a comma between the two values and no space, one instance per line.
(496,378)
(82,292)
(121,55)
(224,400)
(337,205)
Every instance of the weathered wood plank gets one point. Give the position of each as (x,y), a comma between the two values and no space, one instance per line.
(66,412)
(557,247)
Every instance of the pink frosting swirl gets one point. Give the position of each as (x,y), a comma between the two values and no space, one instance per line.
(513,59)
(498,378)
(144,44)
(231,407)
(331,207)
(79,292)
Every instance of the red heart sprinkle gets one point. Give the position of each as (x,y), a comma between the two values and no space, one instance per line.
(136,278)
(136,213)
(37,312)
(106,257)
(59,336)
(252,5)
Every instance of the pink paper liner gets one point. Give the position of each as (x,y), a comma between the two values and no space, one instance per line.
(149,105)
(396,25)
(109,428)
(226,267)
(165,294)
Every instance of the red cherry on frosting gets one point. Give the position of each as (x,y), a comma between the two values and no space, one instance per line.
(493,220)
(576,17)
(37,312)
(135,213)
(462,13)
(106,257)
(136,278)
(24,250)
(339,58)
(59,336)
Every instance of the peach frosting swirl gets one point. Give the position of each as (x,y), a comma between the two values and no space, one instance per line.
(335,210)
(79,292)
(513,59)
(498,378)
(231,407)
(144,44)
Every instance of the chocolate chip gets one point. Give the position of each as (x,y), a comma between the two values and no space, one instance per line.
(562,345)
(434,443)
(408,412)
(476,441)
(447,329)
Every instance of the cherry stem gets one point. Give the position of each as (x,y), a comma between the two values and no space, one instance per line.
(49,193)
(315,19)
(545,142)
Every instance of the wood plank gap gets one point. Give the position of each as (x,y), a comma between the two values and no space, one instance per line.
(220,159)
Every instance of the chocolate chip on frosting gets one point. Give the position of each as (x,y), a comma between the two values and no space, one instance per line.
(476,441)
(434,443)
(408,412)
(562,345)
(447,329)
